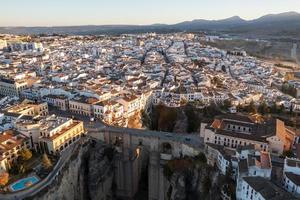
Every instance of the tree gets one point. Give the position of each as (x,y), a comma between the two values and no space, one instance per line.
(166,118)
(281,109)
(263,108)
(201,157)
(274,108)
(239,108)
(211,111)
(288,153)
(183,101)
(21,169)
(288,89)
(146,120)
(251,108)
(226,104)
(193,118)
(26,154)
(47,164)
(4,177)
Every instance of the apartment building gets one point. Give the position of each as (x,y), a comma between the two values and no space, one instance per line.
(3,44)
(131,104)
(25,46)
(219,156)
(238,130)
(57,133)
(59,101)
(31,129)
(29,108)
(258,188)
(82,105)
(291,176)
(11,143)
(11,87)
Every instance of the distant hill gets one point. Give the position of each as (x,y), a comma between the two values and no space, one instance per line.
(284,26)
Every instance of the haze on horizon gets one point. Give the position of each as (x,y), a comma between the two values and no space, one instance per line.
(138,12)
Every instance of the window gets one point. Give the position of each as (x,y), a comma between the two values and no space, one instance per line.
(141,142)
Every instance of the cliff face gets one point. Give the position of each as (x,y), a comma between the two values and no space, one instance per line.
(87,176)
(193,182)
(91,171)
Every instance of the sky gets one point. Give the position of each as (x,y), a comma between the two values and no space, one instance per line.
(100,12)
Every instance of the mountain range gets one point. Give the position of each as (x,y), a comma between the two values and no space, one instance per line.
(283,26)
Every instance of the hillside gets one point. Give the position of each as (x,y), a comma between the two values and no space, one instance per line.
(271,26)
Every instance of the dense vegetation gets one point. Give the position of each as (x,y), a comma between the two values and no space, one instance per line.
(163,118)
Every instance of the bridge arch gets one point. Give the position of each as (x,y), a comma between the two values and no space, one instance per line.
(166,147)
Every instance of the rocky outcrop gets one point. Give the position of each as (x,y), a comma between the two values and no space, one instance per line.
(87,176)
(193,182)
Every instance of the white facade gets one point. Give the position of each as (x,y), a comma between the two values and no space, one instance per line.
(248,192)
(291,176)
(10,87)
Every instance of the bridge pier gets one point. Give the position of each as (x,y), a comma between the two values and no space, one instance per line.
(127,173)
(137,150)
(157,180)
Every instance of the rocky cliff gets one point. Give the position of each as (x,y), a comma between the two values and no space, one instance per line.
(87,176)
(188,179)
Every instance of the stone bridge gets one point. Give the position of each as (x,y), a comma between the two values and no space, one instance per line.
(143,149)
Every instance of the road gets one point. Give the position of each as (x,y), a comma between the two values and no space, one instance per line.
(192,140)
(97,126)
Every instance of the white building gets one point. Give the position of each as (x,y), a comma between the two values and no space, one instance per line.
(291,176)
(58,133)
(221,157)
(258,188)
(252,164)
(11,87)
(11,143)
(59,101)
(25,46)
(238,130)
